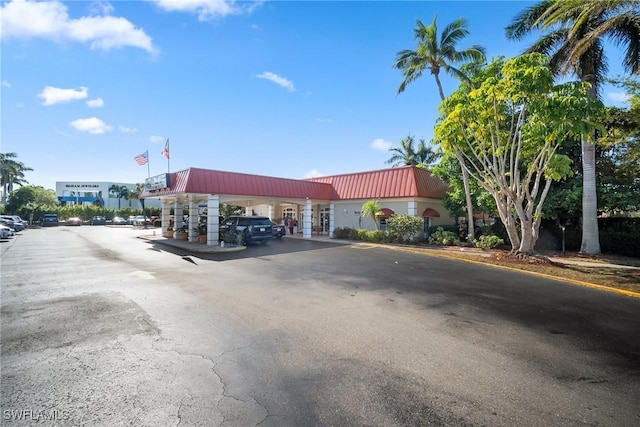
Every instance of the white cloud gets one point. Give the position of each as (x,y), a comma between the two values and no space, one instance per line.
(55,95)
(156,139)
(101,8)
(280,81)
(208,9)
(313,174)
(50,20)
(5,83)
(95,103)
(125,129)
(381,145)
(618,96)
(92,125)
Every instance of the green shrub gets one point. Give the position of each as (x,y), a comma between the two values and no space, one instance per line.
(373,236)
(488,241)
(441,237)
(405,228)
(353,234)
(619,243)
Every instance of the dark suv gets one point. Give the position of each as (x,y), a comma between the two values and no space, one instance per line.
(251,228)
(49,220)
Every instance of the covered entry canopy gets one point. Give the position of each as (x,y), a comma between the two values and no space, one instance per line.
(430,213)
(205,181)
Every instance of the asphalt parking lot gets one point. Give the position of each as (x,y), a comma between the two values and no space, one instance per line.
(102,328)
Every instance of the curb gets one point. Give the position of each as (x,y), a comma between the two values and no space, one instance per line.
(435,253)
(203,250)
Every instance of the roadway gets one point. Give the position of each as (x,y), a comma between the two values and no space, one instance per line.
(102,328)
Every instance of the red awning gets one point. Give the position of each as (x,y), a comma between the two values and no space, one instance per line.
(430,213)
(385,212)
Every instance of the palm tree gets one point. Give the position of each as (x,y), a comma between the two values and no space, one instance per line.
(405,154)
(11,173)
(370,209)
(574,36)
(435,55)
(426,156)
(135,193)
(120,191)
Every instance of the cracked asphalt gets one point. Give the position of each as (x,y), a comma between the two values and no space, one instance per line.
(101,328)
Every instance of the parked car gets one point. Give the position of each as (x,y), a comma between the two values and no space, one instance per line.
(14,222)
(73,221)
(6,232)
(141,220)
(278,230)
(8,222)
(49,220)
(131,220)
(251,228)
(118,220)
(16,218)
(98,220)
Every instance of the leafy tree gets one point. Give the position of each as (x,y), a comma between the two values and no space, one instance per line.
(371,209)
(228,210)
(11,173)
(509,130)
(406,154)
(574,33)
(448,169)
(31,198)
(433,55)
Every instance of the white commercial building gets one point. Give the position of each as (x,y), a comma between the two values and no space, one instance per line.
(110,195)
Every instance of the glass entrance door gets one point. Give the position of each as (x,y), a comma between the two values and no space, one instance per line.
(324,220)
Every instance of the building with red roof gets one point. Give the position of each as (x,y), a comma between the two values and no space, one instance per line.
(317,204)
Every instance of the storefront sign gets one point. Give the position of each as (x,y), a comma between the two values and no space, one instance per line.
(157,182)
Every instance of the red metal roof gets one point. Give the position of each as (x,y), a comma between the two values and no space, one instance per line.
(406,181)
(206,181)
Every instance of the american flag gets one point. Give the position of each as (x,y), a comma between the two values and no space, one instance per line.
(165,152)
(142,159)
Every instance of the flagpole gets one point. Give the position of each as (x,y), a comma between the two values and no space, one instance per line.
(144,211)
(168,158)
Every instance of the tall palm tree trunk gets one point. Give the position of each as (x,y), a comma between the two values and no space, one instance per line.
(590,232)
(590,239)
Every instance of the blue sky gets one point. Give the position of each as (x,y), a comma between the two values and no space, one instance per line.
(279,88)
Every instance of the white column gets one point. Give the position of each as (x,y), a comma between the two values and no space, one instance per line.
(178,214)
(332,218)
(193,219)
(306,227)
(247,211)
(270,212)
(165,216)
(213,219)
(412,208)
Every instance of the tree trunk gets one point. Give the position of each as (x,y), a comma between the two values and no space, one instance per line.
(590,239)
(439,86)
(528,241)
(467,194)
